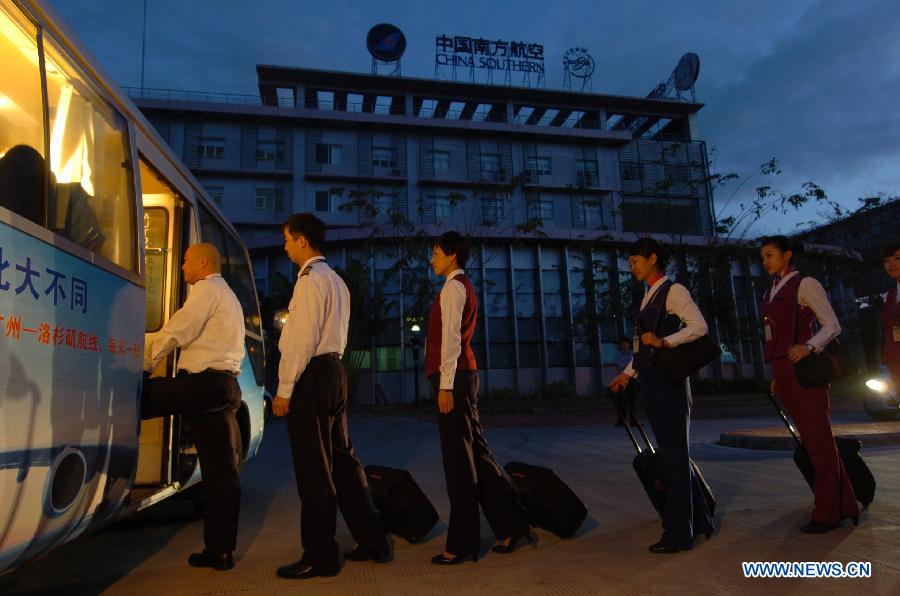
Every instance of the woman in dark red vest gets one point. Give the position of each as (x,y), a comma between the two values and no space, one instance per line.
(471,474)
(890,316)
(668,317)
(788,309)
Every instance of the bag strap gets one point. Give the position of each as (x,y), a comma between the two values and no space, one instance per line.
(663,291)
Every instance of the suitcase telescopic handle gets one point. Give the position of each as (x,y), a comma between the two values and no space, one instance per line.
(784,419)
(622,415)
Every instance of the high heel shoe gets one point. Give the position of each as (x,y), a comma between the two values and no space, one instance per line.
(514,543)
(455,560)
(661,548)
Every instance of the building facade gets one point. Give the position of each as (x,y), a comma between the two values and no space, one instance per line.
(551,185)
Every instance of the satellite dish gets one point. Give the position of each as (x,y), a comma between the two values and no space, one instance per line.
(386,42)
(687,71)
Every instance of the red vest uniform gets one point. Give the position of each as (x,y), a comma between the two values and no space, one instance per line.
(467,330)
(890,318)
(778,317)
(834,498)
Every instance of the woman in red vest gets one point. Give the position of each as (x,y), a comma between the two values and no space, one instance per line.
(890,316)
(471,474)
(788,309)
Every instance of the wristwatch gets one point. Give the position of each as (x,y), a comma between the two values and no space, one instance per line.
(811,347)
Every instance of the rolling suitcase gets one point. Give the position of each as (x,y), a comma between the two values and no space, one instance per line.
(405,509)
(861,478)
(547,501)
(648,466)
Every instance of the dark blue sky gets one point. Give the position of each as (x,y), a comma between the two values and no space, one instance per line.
(813,83)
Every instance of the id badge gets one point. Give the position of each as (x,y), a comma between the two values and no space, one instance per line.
(636,342)
(768,332)
(896,331)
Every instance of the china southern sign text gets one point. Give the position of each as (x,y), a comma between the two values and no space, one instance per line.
(473,52)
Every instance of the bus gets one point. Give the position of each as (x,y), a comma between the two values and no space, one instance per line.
(95,214)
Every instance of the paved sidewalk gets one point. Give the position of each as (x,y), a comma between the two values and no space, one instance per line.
(762,500)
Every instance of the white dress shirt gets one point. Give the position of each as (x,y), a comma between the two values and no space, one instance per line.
(317,322)
(812,295)
(453,301)
(209,329)
(680,304)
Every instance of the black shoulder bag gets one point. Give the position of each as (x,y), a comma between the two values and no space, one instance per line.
(819,369)
(680,362)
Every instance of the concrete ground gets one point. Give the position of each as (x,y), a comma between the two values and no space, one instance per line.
(762,501)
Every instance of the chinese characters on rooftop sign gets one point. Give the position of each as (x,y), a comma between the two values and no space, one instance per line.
(506,56)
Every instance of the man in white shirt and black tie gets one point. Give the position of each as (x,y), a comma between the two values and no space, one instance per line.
(209,329)
(312,392)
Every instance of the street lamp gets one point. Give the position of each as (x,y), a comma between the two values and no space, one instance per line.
(415,344)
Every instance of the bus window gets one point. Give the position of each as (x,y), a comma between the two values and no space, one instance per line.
(156,235)
(22,178)
(91,201)
(236,272)
(211,231)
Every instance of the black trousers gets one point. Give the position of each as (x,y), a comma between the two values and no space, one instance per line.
(208,402)
(328,474)
(471,473)
(669,410)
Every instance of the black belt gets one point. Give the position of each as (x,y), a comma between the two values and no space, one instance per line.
(229,373)
(328,355)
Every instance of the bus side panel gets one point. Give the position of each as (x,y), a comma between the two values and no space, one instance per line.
(71,353)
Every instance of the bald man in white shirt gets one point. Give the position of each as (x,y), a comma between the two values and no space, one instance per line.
(312,393)
(209,329)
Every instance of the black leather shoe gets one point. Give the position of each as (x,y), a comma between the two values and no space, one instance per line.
(303,569)
(361,553)
(661,548)
(218,561)
(455,560)
(814,527)
(515,543)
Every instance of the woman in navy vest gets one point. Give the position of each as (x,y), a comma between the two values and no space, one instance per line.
(788,309)
(668,317)
(471,474)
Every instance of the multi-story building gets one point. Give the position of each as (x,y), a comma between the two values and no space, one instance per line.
(594,170)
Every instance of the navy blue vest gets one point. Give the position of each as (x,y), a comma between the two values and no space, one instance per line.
(650,319)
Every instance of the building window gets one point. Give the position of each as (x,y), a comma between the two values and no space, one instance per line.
(383,157)
(538,166)
(546,206)
(270,151)
(386,204)
(327,202)
(491,210)
(443,207)
(215,194)
(441,161)
(678,174)
(328,154)
(585,172)
(211,148)
(490,165)
(268,199)
(631,171)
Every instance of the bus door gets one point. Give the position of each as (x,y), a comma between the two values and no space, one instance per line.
(164,217)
